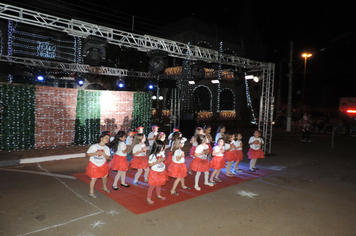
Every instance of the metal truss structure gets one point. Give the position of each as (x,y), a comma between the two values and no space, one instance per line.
(144,43)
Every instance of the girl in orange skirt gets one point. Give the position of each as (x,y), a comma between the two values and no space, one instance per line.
(200,162)
(238,149)
(255,152)
(218,162)
(119,161)
(158,175)
(229,155)
(97,167)
(139,158)
(178,168)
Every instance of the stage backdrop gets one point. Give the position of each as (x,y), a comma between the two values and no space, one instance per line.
(40,116)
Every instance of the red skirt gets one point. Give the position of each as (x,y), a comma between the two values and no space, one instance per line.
(230,156)
(210,148)
(168,160)
(139,162)
(96,172)
(255,154)
(199,165)
(178,170)
(239,155)
(192,151)
(217,163)
(119,163)
(157,178)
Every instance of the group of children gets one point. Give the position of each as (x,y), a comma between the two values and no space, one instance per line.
(130,149)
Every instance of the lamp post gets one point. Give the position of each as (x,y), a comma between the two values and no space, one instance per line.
(305,55)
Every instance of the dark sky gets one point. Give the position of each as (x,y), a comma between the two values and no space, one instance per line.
(325,28)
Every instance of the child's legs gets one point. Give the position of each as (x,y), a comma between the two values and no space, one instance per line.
(147,171)
(206,176)
(105,180)
(117,177)
(197,175)
(158,190)
(213,175)
(252,163)
(91,186)
(138,174)
(123,177)
(236,165)
(182,182)
(149,192)
(217,174)
(228,167)
(175,184)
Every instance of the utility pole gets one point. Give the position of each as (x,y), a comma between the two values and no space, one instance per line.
(289,111)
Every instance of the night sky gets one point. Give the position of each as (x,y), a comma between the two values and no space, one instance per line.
(326,29)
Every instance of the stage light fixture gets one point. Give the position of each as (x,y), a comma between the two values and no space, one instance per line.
(79,79)
(215,81)
(120,83)
(156,63)
(150,86)
(40,78)
(94,50)
(191,82)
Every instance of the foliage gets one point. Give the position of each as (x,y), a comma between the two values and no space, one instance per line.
(87,122)
(141,114)
(17,116)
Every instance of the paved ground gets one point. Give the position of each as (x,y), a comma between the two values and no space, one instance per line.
(311,192)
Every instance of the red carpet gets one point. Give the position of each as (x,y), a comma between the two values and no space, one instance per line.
(134,198)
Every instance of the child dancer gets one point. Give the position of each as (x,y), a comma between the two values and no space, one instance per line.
(218,162)
(152,136)
(207,131)
(178,168)
(139,160)
(169,153)
(229,154)
(255,152)
(158,175)
(119,161)
(193,140)
(97,167)
(200,163)
(238,149)
(220,133)
(130,135)
(175,129)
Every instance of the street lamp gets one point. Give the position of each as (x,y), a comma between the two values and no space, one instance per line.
(305,55)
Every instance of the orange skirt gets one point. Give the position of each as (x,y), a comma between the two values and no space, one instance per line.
(255,154)
(199,165)
(230,156)
(168,160)
(139,162)
(96,172)
(217,163)
(178,170)
(239,155)
(157,178)
(119,163)
(192,151)
(210,148)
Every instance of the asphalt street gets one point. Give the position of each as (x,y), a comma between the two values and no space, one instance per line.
(312,191)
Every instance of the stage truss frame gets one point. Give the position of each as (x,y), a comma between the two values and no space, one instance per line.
(144,43)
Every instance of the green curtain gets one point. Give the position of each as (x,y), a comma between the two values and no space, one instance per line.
(17,116)
(141,114)
(87,122)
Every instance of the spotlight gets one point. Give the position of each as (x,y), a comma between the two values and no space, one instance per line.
(40,78)
(120,83)
(150,86)
(79,79)
(215,81)
(94,51)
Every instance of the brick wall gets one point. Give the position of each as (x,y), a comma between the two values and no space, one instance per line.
(55,116)
(56,110)
(116,110)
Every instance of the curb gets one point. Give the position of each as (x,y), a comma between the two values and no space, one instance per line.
(41,159)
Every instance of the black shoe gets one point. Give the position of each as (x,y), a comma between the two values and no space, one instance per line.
(255,168)
(252,170)
(115,188)
(126,186)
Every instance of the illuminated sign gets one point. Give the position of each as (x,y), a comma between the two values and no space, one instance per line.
(46,49)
